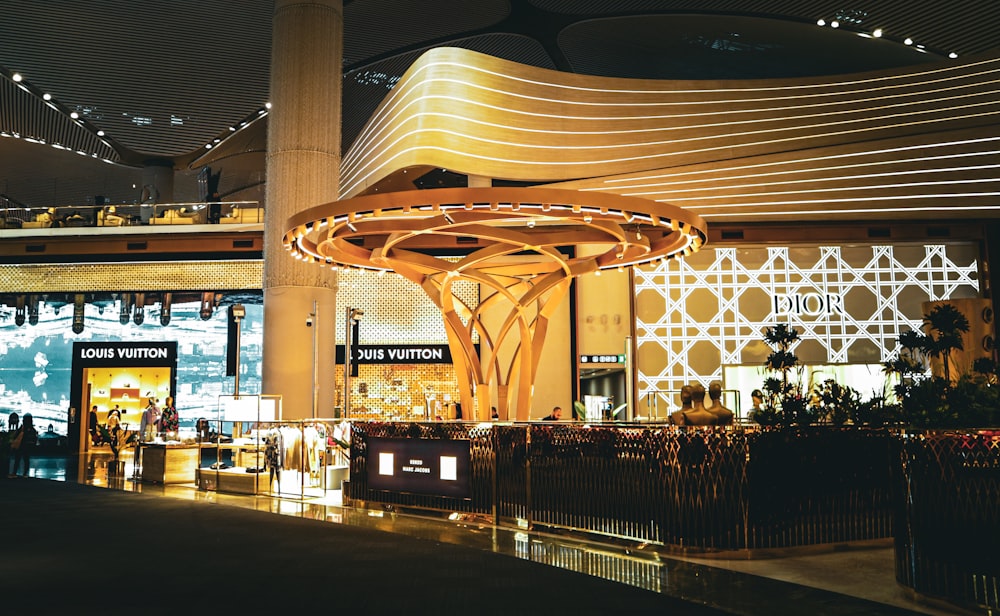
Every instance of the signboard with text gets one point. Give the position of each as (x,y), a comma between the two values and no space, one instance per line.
(433,467)
(602,359)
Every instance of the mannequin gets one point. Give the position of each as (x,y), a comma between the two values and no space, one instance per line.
(677,417)
(698,415)
(723,416)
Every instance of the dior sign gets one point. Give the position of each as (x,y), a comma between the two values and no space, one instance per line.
(807,304)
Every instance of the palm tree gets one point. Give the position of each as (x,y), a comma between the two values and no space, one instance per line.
(946,324)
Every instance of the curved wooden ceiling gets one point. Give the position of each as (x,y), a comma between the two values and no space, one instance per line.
(162,80)
(879,145)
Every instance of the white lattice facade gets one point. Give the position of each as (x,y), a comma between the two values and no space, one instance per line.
(849,303)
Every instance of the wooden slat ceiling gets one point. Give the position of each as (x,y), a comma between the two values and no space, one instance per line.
(163,79)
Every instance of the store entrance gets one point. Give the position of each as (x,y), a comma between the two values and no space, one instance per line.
(119,379)
(125,391)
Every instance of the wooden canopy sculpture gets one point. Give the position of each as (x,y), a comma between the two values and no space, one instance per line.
(521,247)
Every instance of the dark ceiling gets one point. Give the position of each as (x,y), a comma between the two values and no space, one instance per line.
(163,79)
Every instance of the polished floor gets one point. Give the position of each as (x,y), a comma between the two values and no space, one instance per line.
(855,580)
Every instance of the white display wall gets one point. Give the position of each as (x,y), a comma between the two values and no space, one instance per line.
(703,318)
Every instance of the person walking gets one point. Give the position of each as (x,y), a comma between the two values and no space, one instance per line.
(23,444)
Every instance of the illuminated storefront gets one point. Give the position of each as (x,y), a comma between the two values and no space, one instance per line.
(703,318)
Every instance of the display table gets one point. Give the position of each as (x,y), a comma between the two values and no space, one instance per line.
(168,463)
(232,480)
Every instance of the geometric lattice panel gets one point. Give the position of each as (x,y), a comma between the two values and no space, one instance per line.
(849,304)
(396,310)
(229,275)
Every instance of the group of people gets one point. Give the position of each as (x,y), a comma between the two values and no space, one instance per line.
(695,412)
(154,420)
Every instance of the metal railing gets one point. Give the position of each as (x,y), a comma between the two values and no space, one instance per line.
(131,214)
(712,488)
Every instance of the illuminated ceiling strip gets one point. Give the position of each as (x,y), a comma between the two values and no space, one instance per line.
(405,86)
(877,82)
(703,197)
(712,175)
(639,144)
(874,210)
(423,119)
(350,184)
(926,97)
(420,103)
(710,185)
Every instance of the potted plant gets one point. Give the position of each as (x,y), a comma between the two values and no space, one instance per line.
(784,401)
(946,466)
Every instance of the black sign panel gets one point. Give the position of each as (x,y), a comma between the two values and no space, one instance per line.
(434,467)
(397,354)
(90,354)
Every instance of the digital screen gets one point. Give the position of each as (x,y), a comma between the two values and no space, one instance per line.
(433,467)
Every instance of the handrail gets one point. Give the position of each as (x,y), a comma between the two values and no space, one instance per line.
(121,214)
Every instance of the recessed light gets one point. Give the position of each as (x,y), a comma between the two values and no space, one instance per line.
(820,22)
(877,33)
(907,41)
(46,96)
(16,77)
(834,24)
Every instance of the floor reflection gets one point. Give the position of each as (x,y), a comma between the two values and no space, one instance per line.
(715,582)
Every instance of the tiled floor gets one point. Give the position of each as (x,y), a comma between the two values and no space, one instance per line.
(859,580)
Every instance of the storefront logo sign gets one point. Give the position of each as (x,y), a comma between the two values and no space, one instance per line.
(124,353)
(389,354)
(807,304)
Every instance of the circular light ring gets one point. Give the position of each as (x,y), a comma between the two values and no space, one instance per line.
(372,231)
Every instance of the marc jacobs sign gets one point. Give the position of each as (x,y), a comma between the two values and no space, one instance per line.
(807,304)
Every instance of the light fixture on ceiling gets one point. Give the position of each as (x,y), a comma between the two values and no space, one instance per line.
(16,77)
(907,41)
(820,22)
(877,32)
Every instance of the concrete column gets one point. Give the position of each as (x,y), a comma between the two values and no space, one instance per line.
(303,170)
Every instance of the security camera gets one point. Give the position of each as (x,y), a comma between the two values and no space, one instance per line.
(309,321)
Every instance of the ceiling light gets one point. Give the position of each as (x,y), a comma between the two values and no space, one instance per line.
(834,24)
(74,115)
(953,55)
(47,96)
(267,105)
(820,22)
(877,33)
(100,133)
(907,41)
(587,218)
(16,77)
